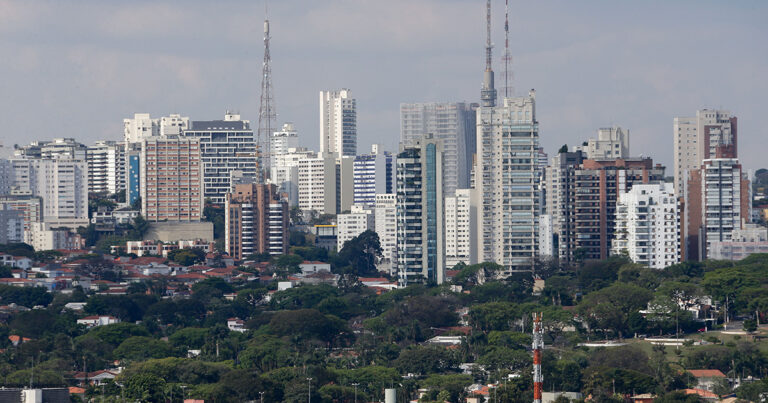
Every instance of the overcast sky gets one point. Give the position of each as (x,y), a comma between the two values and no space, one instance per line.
(77,68)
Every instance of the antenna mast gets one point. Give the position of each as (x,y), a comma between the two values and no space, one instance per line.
(267,114)
(507,58)
(488,92)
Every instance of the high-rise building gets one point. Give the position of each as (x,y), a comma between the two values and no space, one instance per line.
(142,126)
(596,188)
(373,174)
(225,145)
(695,139)
(318,184)
(61,183)
(385,221)
(136,129)
(451,122)
(106,167)
(285,172)
(171,179)
(352,224)
(648,225)
(31,208)
(284,140)
(420,213)
(11,225)
(460,229)
(338,123)
(611,143)
(717,202)
(57,148)
(256,221)
(560,181)
(507,181)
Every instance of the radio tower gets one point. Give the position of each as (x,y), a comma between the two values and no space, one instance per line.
(538,344)
(488,93)
(507,58)
(267,114)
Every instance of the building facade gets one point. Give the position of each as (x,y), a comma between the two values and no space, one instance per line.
(460,229)
(596,189)
(354,223)
(171,179)
(373,174)
(507,181)
(225,145)
(285,172)
(318,184)
(454,123)
(338,123)
(420,213)
(284,140)
(385,222)
(648,225)
(106,167)
(696,138)
(611,143)
(256,221)
(743,242)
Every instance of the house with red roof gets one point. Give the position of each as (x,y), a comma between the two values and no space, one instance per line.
(707,379)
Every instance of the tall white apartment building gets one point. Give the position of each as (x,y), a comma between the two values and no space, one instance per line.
(283,140)
(420,213)
(507,181)
(106,167)
(648,225)
(338,123)
(61,183)
(352,224)
(696,139)
(285,172)
(611,143)
(385,221)
(225,145)
(459,228)
(373,174)
(318,185)
(451,122)
(142,126)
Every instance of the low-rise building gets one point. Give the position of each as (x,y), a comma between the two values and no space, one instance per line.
(97,320)
(751,239)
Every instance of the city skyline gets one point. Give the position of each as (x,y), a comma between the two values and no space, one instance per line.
(96,63)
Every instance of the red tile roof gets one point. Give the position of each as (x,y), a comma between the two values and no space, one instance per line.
(706,373)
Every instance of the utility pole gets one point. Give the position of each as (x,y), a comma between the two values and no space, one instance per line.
(538,345)
(355,385)
(309,390)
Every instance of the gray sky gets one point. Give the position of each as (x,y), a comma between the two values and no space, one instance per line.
(77,68)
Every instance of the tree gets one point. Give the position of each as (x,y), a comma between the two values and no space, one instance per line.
(426,360)
(139,348)
(187,256)
(308,324)
(563,149)
(358,256)
(609,308)
(116,333)
(6,271)
(145,387)
(215,213)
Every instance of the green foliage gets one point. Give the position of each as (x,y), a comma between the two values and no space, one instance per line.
(308,324)
(18,249)
(39,378)
(609,309)
(188,338)
(6,272)
(215,213)
(25,296)
(145,388)
(187,256)
(357,257)
(179,370)
(116,333)
(426,360)
(139,348)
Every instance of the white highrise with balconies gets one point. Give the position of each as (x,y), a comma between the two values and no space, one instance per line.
(648,225)
(338,123)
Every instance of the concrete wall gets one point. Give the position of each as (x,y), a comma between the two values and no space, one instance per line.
(178,231)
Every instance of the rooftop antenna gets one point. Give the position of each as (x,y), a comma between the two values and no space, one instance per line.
(267,114)
(507,58)
(488,92)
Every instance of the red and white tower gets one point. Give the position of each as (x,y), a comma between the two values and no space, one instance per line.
(538,344)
